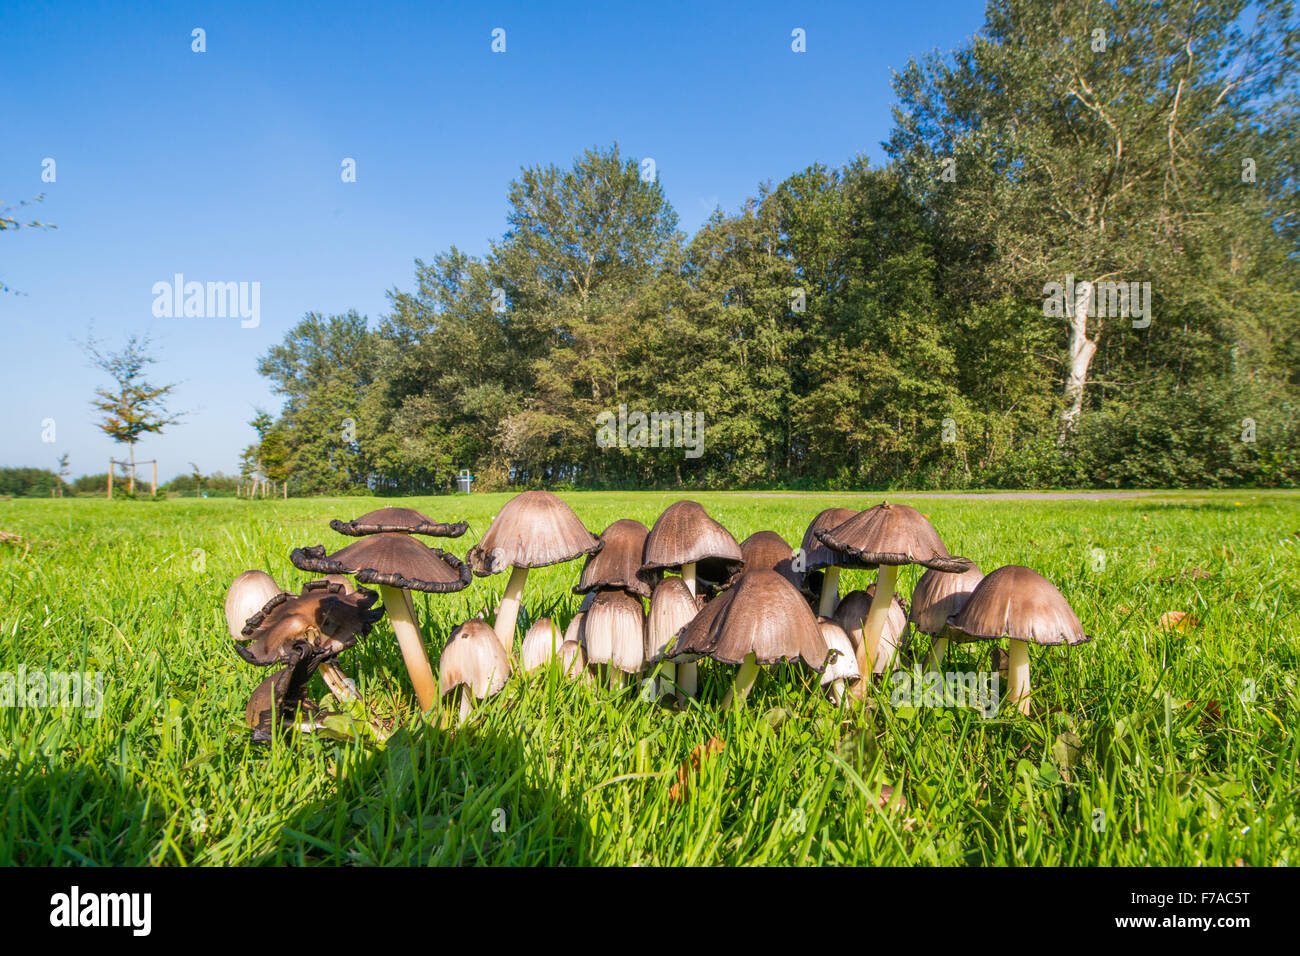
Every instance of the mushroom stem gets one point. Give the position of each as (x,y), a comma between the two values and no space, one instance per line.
(616,677)
(667,678)
(830,591)
(744,681)
(340,686)
(938,651)
(837,691)
(466,702)
(874,625)
(688,576)
(508,612)
(401,611)
(687,674)
(1018,676)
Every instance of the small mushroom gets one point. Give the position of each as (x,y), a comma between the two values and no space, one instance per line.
(1023,606)
(672,607)
(842,660)
(852,615)
(247,595)
(397,564)
(768,550)
(573,660)
(686,540)
(761,620)
(817,556)
(887,536)
(532,530)
(936,597)
(473,661)
(541,643)
(618,562)
(613,634)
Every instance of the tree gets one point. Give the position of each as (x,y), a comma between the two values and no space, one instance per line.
(134,407)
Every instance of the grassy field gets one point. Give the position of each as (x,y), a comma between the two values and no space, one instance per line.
(1155,744)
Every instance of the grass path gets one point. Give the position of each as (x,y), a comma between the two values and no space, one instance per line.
(1158,745)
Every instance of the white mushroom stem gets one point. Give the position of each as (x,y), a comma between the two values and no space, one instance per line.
(830,591)
(508,612)
(1018,676)
(340,686)
(744,681)
(401,611)
(874,625)
(466,702)
(616,677)
(837,691)
(667,677)
(938,651)
(687,675)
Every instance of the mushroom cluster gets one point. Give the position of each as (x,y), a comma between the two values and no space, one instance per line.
(751,605)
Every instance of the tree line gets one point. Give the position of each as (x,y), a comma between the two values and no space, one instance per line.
(1078,268)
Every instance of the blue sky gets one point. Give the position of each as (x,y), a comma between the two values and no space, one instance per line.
(224,166)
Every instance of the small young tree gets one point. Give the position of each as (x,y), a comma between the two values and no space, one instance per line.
(64,472)
(134,407)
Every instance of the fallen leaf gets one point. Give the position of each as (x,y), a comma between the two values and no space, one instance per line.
(1178,620)
(1196,574)
(693,763)
(1124,609)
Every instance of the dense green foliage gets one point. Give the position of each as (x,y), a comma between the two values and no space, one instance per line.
(29,482)
(860,327)
(1153,746)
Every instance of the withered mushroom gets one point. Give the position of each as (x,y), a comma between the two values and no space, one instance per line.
(1021,605)
(817,556)
(852,615)
(938,596)
(473,661)
(398,521)
(618,562)
(397,564)
(532,530)
(687,541)
(613,634)
(759,621)
(279,699)
(887,536)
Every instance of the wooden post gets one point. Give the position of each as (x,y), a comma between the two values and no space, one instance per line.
(110,479)
(286,491)
(155,476)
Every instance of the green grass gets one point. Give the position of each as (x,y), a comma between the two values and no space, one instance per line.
(1156,745)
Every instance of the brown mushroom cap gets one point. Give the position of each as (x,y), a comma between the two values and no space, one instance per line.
(398,521)
(1017,603)
(762,614)
(842,660)
(618,562)
(532,530)
(939,595)
(473,658)
(573,660)
(685,534)
(817,555)
(322,617)
(613,631)
(672,607)
(395,560)
(891,534)
(541,643)
(767,550)
(279,697)
(247,595)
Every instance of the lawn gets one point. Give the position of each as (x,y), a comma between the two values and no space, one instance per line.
(1153,744)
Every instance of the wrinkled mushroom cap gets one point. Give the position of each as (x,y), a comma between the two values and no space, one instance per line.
(852,616)
(398,521)
(323,616)
(573,660)
(762,614)
(767,550)
(1017,603)
(672,606)
(618,562)
(278,698)
(842,661)
(939,595)
(473,658)
(532,530)
(247,595)
(817,555)
(394,560)
(613,631)
(685,534)
(891,534)
(540,645)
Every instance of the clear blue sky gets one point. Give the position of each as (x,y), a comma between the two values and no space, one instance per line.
(225,165)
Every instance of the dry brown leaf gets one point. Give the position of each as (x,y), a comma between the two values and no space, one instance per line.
(1196,574)
(714,745)
(1178,620)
